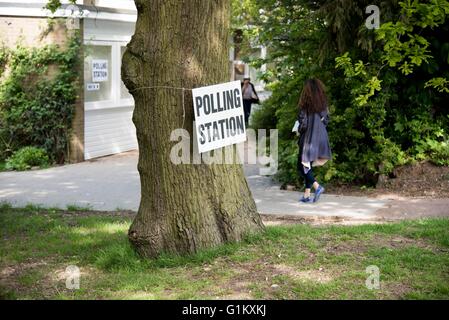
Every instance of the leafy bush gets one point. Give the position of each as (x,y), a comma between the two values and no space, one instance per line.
(37,97)
(7,143)
(439,152)
(4,55)
(384,112)
(26,158)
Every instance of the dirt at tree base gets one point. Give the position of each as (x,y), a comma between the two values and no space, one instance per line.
(421,180)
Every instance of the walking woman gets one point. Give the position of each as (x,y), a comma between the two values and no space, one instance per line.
(314,149)
(249,97)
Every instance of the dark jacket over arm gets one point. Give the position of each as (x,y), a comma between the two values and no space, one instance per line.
(313,140)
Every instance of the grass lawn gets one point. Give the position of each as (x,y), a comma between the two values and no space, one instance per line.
(286,262)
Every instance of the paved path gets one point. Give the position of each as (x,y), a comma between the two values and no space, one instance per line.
(108,183)
(271,200)
(112,183)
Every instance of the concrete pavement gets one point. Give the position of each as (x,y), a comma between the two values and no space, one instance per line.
(273,201)
(112,183)
(108,183)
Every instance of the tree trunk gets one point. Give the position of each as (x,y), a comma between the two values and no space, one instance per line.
(183,207)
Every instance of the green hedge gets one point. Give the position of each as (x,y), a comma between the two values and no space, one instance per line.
(26,158)
(382,115)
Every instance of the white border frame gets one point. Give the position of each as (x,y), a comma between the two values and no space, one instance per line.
(115,101)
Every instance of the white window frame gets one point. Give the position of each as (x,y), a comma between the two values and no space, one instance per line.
(115,100)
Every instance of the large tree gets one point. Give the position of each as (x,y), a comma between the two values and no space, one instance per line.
(183,208)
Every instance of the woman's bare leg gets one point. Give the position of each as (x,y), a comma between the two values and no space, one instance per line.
(307,193)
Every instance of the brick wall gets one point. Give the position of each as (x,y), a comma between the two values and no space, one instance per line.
(30,31)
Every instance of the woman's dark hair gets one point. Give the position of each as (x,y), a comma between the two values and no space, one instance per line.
(313,97)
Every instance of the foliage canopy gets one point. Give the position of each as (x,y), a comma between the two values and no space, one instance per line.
(388,88)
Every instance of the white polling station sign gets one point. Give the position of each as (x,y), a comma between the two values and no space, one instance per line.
(219,119)
(99,70)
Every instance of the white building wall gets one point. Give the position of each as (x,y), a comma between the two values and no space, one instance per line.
(108,123)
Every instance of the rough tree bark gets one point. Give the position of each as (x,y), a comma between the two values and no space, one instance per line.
(183,207)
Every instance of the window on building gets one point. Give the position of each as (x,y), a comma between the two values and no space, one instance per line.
(103,85)
(98,87)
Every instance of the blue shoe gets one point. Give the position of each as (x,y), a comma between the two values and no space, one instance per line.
(305,200)
(318,193)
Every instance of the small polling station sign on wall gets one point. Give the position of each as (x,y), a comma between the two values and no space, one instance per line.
(99,70)
(219,119)
(93,86)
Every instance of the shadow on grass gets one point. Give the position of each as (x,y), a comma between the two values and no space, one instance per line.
(99,241)
(102,240)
